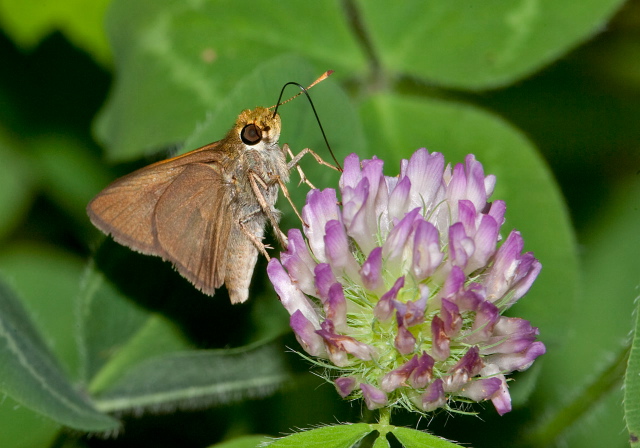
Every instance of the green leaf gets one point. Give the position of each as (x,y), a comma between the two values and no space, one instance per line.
(412,438)
(611,272)
(31,375)
(71,176)
(525,384)
(16,185)
(156,336)
(336,436)
(47,281)
(30,21)
(177,60)
(137,356)
(242,442)
(116,332)
(197,378)
(632,387)
(381,442)
(468,44)
(398,125)
(588,403)
(22,427)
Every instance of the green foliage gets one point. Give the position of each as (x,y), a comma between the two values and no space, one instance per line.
(242,442)
(632,389)
(92,334)
(346,436)
(30,21)
(494,42)
(410,438)
(180,49)
(338,436)
(32,376)
(16,185)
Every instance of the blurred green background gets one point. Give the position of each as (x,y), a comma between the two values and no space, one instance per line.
(545,93)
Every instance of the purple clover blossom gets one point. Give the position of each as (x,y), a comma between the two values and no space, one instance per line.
(403,287)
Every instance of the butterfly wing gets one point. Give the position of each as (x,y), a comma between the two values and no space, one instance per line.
(192,224)
(176,209)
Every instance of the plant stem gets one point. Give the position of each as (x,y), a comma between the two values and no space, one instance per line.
(385,416)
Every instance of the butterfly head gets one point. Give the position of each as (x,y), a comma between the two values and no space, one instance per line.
(259,125)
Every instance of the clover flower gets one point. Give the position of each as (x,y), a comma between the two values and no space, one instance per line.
(399,293)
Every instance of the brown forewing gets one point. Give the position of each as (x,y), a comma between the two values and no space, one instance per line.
(174,209)
(192,224)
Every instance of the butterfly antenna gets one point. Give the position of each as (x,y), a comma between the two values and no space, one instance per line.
(324,76)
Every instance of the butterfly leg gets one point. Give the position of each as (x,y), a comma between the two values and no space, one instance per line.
(296,159)
(254,239)
(286,194)
(257,182)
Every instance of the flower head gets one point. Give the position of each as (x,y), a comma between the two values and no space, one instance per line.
(403,287)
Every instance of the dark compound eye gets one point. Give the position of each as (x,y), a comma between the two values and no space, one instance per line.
(251,134)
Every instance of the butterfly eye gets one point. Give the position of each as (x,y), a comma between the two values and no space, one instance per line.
(251,134)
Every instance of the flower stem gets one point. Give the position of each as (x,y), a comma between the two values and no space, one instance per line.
(385,416)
